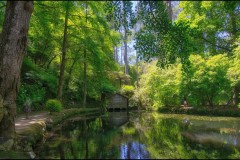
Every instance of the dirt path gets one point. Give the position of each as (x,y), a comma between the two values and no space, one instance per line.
(22,123)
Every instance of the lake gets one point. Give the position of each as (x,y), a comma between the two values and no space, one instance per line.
(144,135)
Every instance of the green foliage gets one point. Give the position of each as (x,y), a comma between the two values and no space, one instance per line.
(133,73)
(211,77)
(32,73)
(234,72)
(53,105)
(28,66)
(120,13)
(206,80)
(159,37)
(208,19)
(159,87)
(2,11)
(37,84)
(127,90)
(34,92)
(41,66)
(107,88)
(129,131)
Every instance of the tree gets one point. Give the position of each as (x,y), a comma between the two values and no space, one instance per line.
(44,39)
(85,62)
(90,48)
(206,81)
(234,73)
(13,47)
(159,87)
(215,24)
(121,13)
(64,50)
(158,38)
(169,9)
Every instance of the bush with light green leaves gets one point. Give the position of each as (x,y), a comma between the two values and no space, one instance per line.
(127,90)
(54,105)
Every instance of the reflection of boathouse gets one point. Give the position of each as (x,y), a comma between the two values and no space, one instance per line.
(117,102)
(118,109)
(118,118)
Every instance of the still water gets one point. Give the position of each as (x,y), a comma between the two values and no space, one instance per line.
(144,135)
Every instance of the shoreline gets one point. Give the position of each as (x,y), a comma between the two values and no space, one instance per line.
(203,111)
(32,135)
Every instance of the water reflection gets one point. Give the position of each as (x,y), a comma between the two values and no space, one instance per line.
(214,132)
(118,118)
(134,150)
(144,136)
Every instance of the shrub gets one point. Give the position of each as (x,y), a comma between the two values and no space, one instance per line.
(53,105)
(34,92)
(107,88)
(127,90)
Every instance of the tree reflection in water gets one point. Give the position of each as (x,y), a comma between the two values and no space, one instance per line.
(145,136)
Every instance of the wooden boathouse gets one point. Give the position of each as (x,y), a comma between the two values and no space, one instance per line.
(117,102)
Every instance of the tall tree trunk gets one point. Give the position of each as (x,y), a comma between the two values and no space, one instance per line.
(125,28)
(12,50)
(169,9)
(210,100)
(70,72)
(212,37)
(121,56)
(235,95)
(85,79)
(233,38)
(50,61)
(137,75)
(85,69)
(125,51)
(116,53)
(63,60)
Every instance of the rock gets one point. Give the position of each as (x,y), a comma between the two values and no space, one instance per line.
(31,154)
(29,137)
